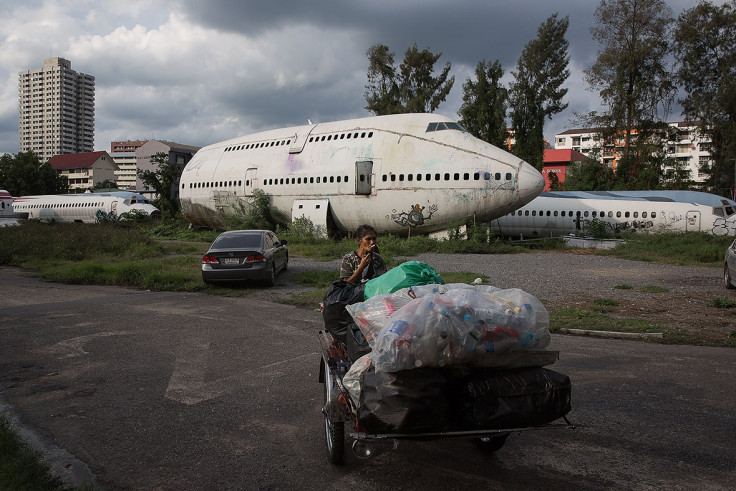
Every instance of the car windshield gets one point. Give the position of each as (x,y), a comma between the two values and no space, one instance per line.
(238,241)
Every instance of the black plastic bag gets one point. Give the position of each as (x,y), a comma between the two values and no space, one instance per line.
(493,399)
(339,294)
(356,344)
(409,401)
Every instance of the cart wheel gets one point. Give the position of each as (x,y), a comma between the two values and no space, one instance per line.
(491,444)
(334,431)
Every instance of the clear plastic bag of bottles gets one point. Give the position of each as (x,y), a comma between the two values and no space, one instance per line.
(443,326)
(371,315)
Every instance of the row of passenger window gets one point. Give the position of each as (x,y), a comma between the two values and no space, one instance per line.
(277,143)
(249,146)
(333,179)
(220,184)
(302,180)
(35,206)
(392,177)
(487,176)
(341,136)
(584,214)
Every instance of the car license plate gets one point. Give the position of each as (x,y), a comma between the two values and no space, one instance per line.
(232,260)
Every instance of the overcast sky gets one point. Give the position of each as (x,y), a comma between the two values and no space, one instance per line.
(197,72)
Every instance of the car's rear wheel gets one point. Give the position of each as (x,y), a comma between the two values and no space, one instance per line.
(727,277)
(271,278)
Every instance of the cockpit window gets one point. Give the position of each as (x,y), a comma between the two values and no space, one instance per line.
(444,126)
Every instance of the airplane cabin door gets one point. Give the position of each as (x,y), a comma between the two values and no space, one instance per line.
(251,181)
(692,221)
(363,174)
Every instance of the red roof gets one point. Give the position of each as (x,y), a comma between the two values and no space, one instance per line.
(564,155)
(75,160)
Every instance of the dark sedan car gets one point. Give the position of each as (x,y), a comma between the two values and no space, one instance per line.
(240,255)
(729,268)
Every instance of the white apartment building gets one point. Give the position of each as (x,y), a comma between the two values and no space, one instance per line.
(125,176)
(688,146)
(56,110)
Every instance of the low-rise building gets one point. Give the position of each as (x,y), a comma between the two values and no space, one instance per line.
(556,162)
(125,176)
(126,146)
(176,152)
(685,143)
(84,170)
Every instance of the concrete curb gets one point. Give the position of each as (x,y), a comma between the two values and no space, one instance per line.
(612,334)
(62,464)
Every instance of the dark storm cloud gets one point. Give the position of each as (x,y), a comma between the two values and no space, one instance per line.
(465,32)
(199,72)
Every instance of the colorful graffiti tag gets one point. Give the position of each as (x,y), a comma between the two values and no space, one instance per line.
(414,217)
(101,216)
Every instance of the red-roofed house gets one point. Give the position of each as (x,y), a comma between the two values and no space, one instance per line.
(557,161)
(84,170)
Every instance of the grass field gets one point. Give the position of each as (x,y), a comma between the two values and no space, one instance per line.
(166,255)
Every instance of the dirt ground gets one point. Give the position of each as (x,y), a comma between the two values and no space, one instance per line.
(684,299)
(696,316)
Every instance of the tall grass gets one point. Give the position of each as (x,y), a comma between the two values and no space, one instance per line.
(36,243)
(137,255)
(691,248)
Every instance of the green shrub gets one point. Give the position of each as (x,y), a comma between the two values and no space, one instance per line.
(597,229)
(723,303)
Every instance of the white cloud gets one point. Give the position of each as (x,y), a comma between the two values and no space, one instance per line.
(197,72)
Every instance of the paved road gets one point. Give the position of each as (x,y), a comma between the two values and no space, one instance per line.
(187,391)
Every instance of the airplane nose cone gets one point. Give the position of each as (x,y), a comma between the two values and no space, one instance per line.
(531,183)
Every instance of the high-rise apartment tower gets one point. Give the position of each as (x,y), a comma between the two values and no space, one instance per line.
(57,110)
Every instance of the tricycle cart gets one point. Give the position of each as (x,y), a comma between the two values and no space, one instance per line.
(339,409)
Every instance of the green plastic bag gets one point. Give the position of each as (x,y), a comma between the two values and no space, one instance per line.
(411,273)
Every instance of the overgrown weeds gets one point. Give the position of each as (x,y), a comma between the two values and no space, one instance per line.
(682,249)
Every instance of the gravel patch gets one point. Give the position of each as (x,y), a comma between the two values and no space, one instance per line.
(570,279)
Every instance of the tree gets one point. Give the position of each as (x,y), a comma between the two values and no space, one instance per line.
(409,89)
(106,184)
(705,44)
(483,112)
(630,72)
(382,91)
(163,180)
(420,91)
(536,92)
(554,182)
(592,175)
(23,174)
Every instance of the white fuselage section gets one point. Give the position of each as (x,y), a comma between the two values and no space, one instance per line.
(84,207)
(400,173)
(7,215)
(556,214)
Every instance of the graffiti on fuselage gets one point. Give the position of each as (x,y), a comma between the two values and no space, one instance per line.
(620,226)
(414,217)
(101,216)
(724,226)
(634,224)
